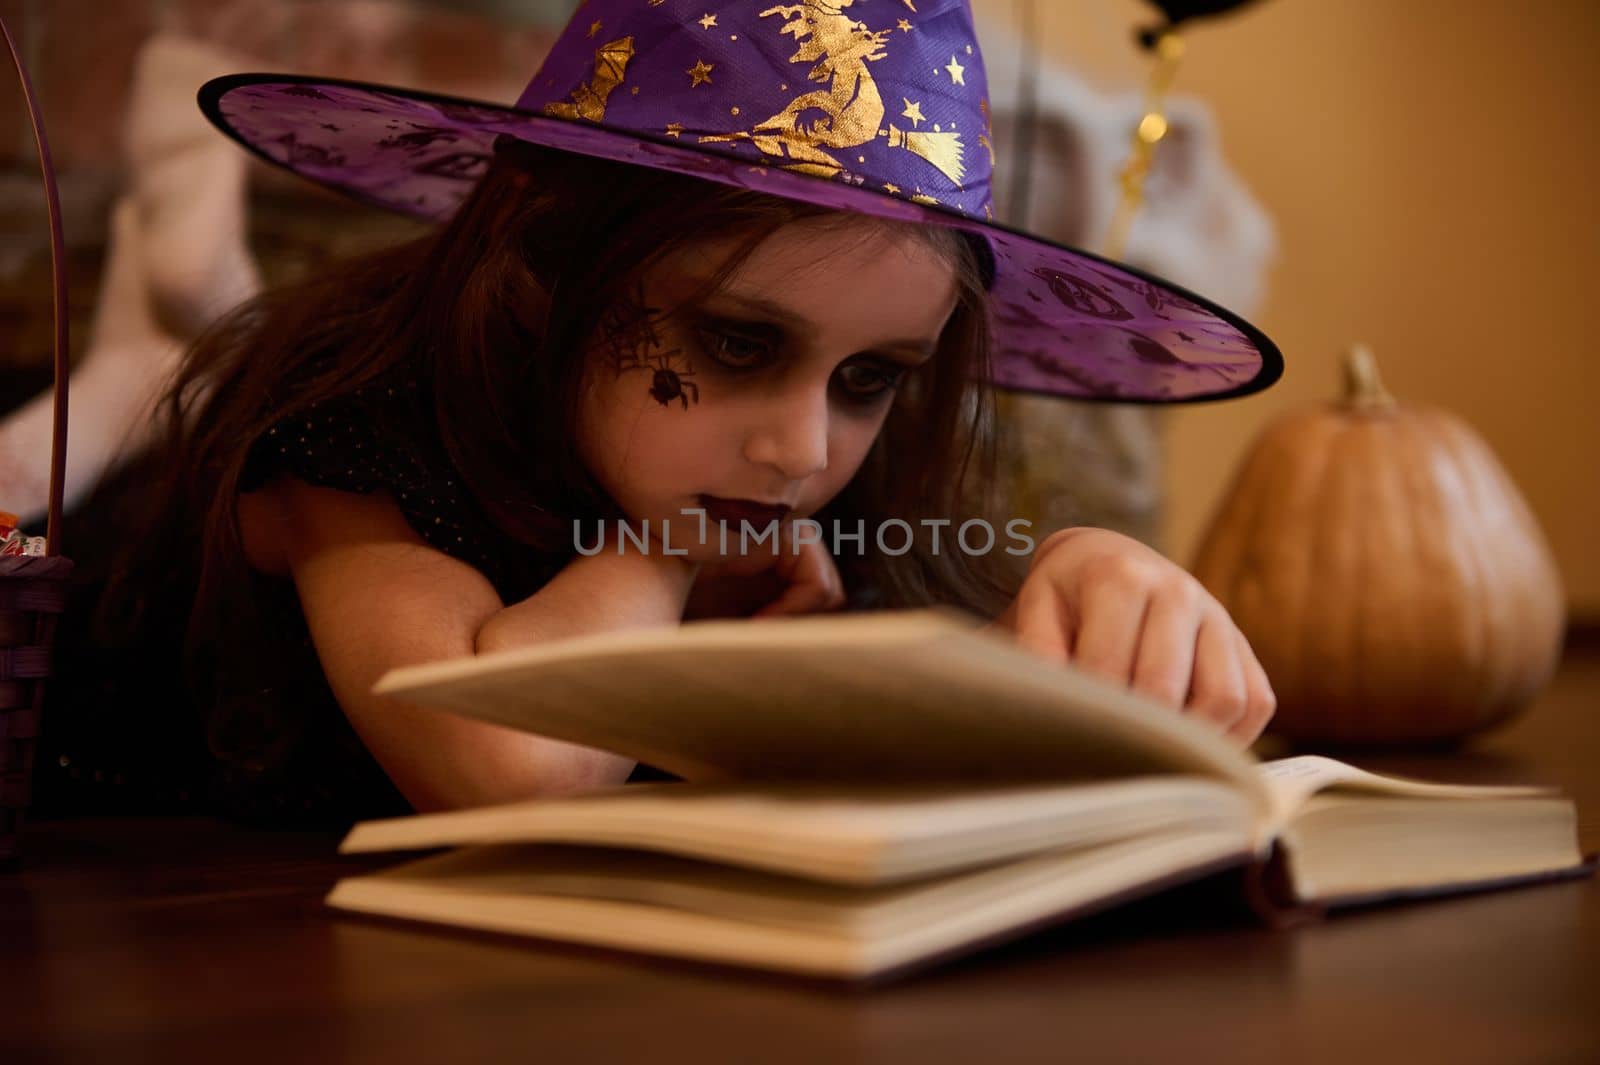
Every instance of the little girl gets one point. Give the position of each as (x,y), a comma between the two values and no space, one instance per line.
(722,265)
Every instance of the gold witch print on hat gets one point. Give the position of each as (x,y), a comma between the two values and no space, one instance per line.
(850,111)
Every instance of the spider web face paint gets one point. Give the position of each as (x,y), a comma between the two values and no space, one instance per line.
(630,337)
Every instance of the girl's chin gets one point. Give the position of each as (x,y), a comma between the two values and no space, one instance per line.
(732,565)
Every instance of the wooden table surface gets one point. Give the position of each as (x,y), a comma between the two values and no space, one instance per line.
(191,940)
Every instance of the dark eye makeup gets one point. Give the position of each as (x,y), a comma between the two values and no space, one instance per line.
(748,346)
(739,347)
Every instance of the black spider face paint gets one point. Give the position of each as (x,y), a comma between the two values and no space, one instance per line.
(629,334)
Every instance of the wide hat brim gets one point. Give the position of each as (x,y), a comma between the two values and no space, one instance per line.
(1065,322)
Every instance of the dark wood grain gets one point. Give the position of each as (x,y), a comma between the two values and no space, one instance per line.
(186,940)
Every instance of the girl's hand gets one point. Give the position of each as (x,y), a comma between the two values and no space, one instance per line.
(769,583)
(809,580)
(1115,608)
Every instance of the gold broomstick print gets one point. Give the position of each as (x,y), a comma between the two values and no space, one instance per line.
(846,114)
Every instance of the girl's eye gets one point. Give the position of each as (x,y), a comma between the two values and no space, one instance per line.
(734,350)
(865,381)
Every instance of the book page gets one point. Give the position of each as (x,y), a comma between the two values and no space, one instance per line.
(856,834)
(655,903)
(1291,781)
(887,696)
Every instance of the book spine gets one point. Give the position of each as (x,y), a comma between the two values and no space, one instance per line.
(1269,892)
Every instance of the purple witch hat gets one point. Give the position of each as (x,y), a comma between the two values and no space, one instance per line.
(874,106)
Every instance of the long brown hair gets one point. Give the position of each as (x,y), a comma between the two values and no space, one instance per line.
(491,312)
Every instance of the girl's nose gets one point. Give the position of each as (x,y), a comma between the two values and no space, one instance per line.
(792,435)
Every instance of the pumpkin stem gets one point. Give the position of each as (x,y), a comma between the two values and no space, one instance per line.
(1363,388)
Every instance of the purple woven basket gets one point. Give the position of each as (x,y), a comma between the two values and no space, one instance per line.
(33,588)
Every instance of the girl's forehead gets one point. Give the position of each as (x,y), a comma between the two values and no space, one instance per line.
(803,255)
(881,309)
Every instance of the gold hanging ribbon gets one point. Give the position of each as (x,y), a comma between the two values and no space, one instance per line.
(1151,128)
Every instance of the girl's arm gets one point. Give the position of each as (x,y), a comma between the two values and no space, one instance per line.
(377,596)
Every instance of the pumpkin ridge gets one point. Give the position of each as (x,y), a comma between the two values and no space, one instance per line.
(1386,613)
(1283,558)
(1504,594)
(1443,559)
(1313,709)
(1490,670)
(1541,599)
(1226,561)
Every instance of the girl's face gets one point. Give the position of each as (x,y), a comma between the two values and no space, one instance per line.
(771,389)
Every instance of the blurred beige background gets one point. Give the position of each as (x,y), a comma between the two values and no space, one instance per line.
(1430,169)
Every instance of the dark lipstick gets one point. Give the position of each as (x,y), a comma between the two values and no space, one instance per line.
(733,511)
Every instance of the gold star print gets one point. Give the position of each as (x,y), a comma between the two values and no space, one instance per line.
(955,70)
(708,21)
(913,111)
(674,128)
(891,187)
(909,4)
(594,28)
(902,25)
(700,72)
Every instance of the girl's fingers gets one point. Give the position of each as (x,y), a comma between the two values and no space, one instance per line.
(823,573)
(1111,614)
(1116,609)
(1040,621)
(1217,693)
(1166,660)
(812,584)
(796,599)
(1260,701)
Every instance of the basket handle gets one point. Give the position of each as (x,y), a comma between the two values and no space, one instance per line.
(58,276)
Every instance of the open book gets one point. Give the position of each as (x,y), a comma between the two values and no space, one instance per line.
(869,792)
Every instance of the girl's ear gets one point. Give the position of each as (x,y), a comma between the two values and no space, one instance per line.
(587,382)
(532,303)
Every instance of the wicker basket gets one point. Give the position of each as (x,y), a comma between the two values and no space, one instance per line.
(33,588)
(33,591)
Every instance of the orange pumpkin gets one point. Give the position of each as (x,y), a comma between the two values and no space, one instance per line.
(1387,573)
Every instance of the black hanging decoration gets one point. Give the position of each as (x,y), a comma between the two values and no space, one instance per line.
(1178,11)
